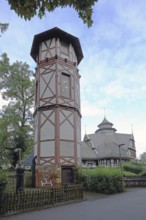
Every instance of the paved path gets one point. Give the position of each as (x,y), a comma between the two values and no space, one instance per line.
(130,205)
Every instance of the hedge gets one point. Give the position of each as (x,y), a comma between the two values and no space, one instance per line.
(102,180)
(133,167)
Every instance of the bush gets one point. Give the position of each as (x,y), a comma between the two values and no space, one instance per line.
(143,173)
(3,180)
(133,167)
(127,173)
(102,180)
(28,179)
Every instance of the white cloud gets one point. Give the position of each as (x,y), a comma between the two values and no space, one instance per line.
(93,109)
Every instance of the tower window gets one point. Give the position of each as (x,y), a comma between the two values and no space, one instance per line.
(65,85)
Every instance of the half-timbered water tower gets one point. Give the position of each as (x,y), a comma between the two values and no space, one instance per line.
(57,105)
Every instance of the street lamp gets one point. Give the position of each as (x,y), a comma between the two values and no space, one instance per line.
(19,171)
(120,155)
(120,145)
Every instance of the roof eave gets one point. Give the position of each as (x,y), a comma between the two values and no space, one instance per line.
(56,32)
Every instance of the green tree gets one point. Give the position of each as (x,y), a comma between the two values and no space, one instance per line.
(27,9)
(3,140)
(17,86)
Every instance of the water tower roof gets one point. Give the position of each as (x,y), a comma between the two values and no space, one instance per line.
(57,33)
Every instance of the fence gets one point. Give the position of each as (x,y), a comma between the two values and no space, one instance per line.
(12,203)
(135,181)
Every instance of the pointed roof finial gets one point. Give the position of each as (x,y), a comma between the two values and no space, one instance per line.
(132,136)
(104,113)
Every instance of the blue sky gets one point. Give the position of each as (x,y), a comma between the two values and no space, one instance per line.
(113,71)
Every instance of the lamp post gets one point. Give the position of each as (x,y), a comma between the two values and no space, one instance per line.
(120,156)
(19,172)
(121,169)
(121,163)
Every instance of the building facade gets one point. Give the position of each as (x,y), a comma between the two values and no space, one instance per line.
(106,147)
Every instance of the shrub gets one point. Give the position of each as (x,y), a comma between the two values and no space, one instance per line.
(143,173)
(28,179)
(127,173)
(133,167)
(3,180)
(102,180)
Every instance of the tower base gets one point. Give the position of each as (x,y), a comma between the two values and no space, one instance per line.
(48,175)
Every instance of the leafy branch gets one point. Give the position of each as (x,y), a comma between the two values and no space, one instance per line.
(28,9)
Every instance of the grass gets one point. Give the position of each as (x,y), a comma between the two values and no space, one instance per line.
(108,171)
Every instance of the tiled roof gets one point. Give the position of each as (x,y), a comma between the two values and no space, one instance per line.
(87,152)
(107,145)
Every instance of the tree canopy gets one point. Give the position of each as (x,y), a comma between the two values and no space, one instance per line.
(28,9)
(16,120)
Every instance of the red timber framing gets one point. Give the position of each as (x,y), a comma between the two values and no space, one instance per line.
(57,102)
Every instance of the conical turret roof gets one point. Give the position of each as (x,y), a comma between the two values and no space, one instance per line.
(105,127)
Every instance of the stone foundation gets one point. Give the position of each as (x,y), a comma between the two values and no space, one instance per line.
(49,172)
